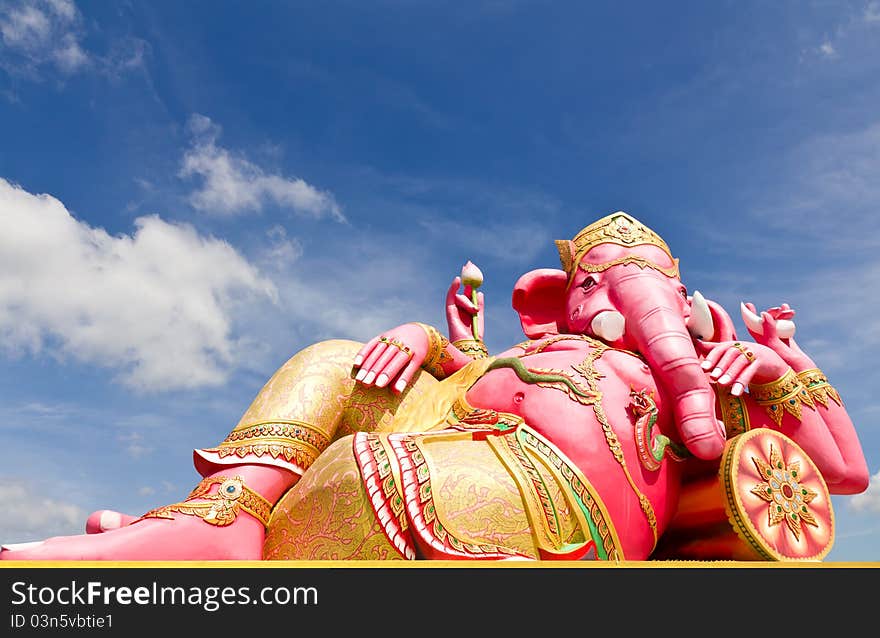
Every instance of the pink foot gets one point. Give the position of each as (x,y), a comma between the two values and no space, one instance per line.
(183,537)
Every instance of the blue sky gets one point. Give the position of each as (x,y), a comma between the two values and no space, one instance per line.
(191,192)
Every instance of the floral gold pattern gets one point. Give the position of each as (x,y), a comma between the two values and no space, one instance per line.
(421,510)
(787,498)
(327,515)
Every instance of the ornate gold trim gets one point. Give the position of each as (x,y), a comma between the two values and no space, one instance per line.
(587,500)
(734,412)
(295,441)
(618,228)
(587,370)
(817,386)
(436,355)
(472,347)
(785,394)
(641,262)
(221,508)
(734,505)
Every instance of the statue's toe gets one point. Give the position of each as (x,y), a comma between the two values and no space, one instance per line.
(15,551)
(106,520)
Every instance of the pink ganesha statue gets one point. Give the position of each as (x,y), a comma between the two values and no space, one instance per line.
(631,424)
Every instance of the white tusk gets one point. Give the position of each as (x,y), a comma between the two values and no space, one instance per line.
(608,325)
(753,321)
(784,327)
(700,324)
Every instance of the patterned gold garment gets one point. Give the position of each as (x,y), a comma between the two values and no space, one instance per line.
(478,484)
(308,403)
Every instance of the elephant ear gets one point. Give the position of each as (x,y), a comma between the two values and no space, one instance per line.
(539,299)
(724,328)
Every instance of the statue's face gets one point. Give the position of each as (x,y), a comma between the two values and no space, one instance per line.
(597,305)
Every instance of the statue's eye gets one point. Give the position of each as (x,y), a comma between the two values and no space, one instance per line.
(588,283)
(684,292)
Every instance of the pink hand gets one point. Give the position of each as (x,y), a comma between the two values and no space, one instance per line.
(786,347)
(460,311)
(738,363)
(395,354)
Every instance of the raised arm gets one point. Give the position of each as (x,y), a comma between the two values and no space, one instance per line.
(393,357)
(787,391)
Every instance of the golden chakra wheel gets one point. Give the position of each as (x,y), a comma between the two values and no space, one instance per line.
(777,501)
(766,501)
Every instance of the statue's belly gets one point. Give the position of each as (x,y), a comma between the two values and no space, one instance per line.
(590,419)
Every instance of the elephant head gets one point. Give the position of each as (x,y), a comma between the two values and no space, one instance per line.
(620,283)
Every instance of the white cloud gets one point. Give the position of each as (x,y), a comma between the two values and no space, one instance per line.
(158,305)
(828,189)
(232,184)
(40,35)
(134,446)
(872,12)
(282,250)
(869,500)
(29,515)
(827,49)
(35,33)
(817,244)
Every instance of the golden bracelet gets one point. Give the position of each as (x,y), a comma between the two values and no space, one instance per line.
(786,394)
(817,386)
(437,355)
(472,347)
(734,413)
(223,507)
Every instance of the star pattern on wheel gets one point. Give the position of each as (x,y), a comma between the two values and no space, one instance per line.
(786,496)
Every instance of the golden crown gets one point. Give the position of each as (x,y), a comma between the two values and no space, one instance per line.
(617,228)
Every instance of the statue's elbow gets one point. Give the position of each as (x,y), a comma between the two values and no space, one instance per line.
(854,480)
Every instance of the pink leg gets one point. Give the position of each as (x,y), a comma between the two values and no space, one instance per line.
(183,538)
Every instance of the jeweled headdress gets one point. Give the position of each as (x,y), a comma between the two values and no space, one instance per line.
(617,228)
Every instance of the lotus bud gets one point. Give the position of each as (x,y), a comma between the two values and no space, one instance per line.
(471,275)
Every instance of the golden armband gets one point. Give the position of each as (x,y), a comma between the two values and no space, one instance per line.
(436,355)
(472,347)
(786,394)
(817,386)
(222,508)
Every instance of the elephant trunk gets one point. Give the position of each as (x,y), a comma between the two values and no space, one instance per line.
(656,324)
